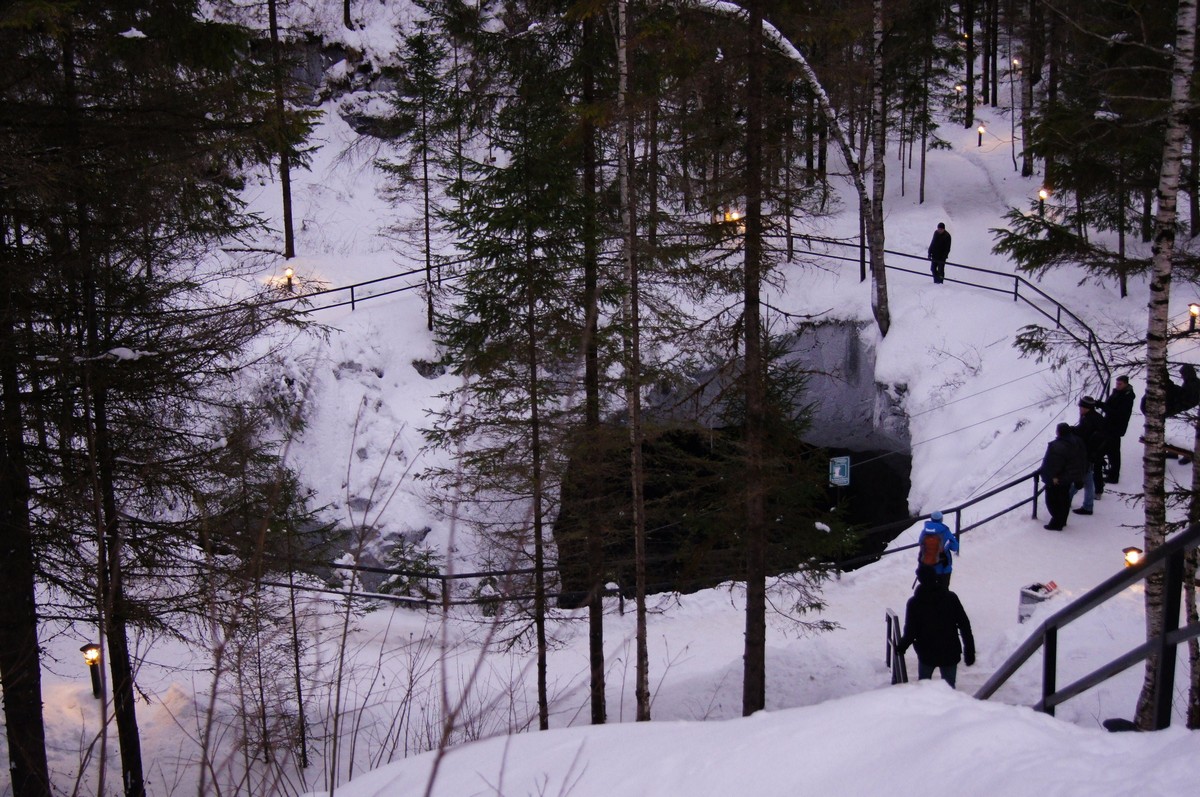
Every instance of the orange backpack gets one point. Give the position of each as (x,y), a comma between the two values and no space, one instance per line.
(931,548)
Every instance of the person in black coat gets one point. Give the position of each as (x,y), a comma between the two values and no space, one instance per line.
(1063,468)
(1118,408)
(933,621)
(939,250)
(1093,431)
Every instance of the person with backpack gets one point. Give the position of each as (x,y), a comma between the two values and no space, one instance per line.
(934,619)
(935,545)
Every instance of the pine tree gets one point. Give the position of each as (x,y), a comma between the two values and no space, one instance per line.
(513,324)
(124,143)
(424,115)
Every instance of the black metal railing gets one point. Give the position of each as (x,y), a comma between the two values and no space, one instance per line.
(957,513)
(439,592)
(892,656)
(1170,558)
(1018,287)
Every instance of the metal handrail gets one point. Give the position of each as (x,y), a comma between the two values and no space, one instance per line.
(1083,335)
(1086,338)
(443,579)
(1169,557)
(959,528)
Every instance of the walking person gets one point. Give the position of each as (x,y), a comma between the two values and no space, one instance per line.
(935,547)
(939,250)
(1118,408)
(1091,429)
(934,619)
(1063,468)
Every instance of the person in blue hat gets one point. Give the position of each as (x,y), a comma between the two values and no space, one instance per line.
(935,547)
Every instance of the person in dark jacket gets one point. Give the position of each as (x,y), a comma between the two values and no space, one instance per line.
(933,621)
(939,250)
(1063,467)
(1093,431)
(1118,408)
(1180,398)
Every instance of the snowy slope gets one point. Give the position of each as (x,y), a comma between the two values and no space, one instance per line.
(979,416)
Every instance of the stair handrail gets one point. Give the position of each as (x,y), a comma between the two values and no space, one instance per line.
(1169,557)
(892,656)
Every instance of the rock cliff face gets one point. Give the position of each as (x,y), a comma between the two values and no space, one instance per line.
(849,409)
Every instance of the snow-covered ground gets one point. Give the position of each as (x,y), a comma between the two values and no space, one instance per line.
(980,415)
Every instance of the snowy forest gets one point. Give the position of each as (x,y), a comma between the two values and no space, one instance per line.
(595,201)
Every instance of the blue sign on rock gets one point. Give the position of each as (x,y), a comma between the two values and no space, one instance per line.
(839,471)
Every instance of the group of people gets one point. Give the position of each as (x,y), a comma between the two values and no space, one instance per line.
(1086,456)
(935,622)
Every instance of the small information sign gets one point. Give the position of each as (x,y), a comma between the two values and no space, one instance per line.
(839,471)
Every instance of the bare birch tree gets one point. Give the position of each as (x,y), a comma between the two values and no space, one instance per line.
(1157,334)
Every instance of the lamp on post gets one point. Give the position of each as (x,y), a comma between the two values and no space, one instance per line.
(1043,195)
(737,219)
(1132,556)
(980,130)
(959,89)
(91,656)
(288,274)
(1193,313)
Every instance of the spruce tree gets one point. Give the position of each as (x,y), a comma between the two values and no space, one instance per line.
(127,131)
(512,324)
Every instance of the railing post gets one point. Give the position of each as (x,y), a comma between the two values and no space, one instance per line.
(1016,289)
(1058,315)
(1165,670)
(1049,668)
(1037,477)
(352,307)
(887,654)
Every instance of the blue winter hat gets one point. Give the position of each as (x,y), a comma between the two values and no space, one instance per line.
(936,516)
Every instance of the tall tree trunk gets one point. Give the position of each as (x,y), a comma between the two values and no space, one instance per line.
(1190,574)
(285,163)
(968,23)
(539,548)
(633,353)
(591,382)
(1157,336)
(754,677)
(925,80)
(20,665)
(1194,181)
(111,566)
(1028,75)
(109,542)
(872,210)
(427,216)
(879,299)
(985,56)
(1122,215)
